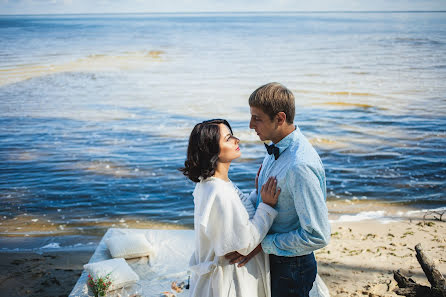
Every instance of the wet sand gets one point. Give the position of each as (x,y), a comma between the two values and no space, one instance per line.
(358,261)
(50,274)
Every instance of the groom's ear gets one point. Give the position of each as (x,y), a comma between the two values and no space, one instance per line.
(281,118)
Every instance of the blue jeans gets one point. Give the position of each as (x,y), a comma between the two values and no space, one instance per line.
(292,276)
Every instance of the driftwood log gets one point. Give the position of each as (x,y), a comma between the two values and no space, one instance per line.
(437,215)
(409,288)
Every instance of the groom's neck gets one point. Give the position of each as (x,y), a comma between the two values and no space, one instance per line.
(283,132)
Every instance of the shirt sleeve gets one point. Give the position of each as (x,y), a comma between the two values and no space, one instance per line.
(307,191)
(231,229)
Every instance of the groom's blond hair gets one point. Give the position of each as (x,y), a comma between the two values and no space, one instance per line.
(273,98)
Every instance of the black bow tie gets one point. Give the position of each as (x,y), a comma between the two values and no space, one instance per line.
(272,149)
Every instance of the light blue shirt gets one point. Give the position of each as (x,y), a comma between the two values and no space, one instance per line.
(301,225)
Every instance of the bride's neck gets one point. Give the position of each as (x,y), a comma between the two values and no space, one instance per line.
(221,171)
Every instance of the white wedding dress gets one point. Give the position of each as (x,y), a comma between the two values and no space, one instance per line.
(225,221)
(222,225)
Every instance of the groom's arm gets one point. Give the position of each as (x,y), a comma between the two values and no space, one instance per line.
(307,187)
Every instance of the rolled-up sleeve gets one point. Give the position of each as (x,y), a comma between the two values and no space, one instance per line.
(306,185)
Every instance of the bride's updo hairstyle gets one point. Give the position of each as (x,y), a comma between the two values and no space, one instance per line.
(203,150)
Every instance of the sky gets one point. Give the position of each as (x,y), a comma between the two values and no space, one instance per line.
(147,6)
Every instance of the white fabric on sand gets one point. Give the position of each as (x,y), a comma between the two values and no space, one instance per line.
(173,250)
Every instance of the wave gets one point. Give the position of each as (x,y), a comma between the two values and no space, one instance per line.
(338,93)
(347,104)
(417,41)
(91,63)
(327,143)
(379,216)
(247,136)
(53,244)
(438,209)
(353,142)
(348,93)
(109,169)
(385,217)
(25,155)
(361,72)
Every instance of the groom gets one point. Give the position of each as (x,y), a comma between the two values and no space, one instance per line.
(301,226)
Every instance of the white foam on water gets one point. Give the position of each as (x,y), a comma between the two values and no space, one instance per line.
(439,209)
(247,136)
(53,245)
(379,215)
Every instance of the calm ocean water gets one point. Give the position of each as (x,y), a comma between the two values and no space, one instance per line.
(96,110)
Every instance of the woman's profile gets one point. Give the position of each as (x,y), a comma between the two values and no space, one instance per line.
(224,220)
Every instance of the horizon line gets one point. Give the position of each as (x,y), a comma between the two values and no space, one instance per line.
(235,12)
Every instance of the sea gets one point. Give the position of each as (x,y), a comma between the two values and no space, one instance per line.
(96,111)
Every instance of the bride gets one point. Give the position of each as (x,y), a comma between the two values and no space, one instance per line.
(225,220)
(222,224)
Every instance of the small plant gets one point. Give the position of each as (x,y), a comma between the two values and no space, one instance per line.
(100,285)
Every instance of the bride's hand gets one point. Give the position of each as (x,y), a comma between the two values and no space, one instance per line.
(269,194)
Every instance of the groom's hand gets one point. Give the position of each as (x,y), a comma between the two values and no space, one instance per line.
(235,257)
(248,257)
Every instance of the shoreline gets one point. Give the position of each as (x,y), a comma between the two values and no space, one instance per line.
(358,261)
(31,233)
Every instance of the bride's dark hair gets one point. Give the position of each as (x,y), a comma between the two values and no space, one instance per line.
(203,150)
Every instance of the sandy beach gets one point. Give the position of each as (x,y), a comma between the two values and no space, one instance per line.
(358,261)
(361,256)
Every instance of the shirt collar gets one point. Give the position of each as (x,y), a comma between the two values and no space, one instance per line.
(287,140)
